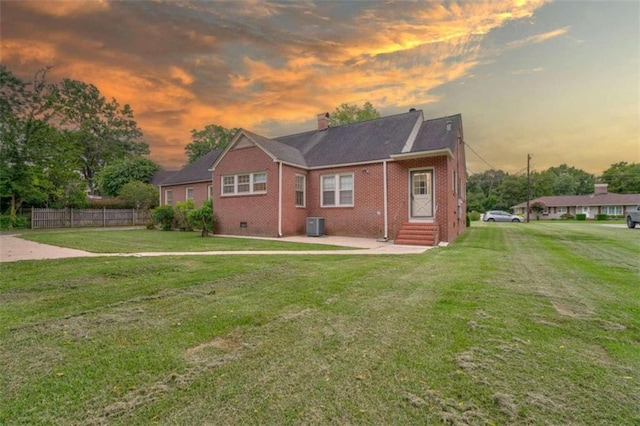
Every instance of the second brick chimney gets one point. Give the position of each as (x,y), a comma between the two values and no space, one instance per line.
(600,188)
(323,121)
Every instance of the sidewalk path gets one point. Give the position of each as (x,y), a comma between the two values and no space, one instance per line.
(13,248)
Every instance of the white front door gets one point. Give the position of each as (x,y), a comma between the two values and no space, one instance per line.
(421,193)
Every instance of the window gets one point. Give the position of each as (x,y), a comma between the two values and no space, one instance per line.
(300,187)
(453,181)
(189,194)
(168,197)
(561,210)
(209,192)
(244,184)
(259,182)
(337,190)
(612,210)
(228,185)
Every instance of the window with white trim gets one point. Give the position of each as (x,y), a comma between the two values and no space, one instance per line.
(168,197)
(209,192)
(337,190)
(300,191)
(244,184)
(561,210)
(612,210)
(188,194)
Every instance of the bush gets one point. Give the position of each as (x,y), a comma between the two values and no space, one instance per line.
(601,216)
(474,216)
(139,195)
(202,218)
(107,203)
(181,211)
(567,216)
(164,216)
(581,216)
(9,221)
(468,221)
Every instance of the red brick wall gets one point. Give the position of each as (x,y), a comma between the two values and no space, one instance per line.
(366,217)
(294,219)
(180,193)
(259,211)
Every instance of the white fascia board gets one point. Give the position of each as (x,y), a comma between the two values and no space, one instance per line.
(422,154)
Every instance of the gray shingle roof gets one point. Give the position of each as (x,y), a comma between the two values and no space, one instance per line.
(159,177)
(365,141)
(279,150)
(608,199)
(433,134)
(357,142)
(198,171)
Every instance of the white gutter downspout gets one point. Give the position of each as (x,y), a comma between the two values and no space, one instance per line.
(280,199)
(386,203)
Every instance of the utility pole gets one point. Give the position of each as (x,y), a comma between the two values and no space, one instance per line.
(528,184)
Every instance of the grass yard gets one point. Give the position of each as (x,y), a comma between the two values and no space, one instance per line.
(513,324)
(143,240)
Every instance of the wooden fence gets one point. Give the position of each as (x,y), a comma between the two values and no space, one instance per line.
(74,218)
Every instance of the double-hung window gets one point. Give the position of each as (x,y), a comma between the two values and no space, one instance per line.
(244,184)
(612,210)
(189,194)
(168,197)
(337,190)
(300,191)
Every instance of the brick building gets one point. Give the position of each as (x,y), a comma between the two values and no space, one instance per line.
(399,177)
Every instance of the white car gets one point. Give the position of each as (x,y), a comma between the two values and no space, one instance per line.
(500,216)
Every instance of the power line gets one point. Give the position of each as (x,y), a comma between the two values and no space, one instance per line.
(479,156)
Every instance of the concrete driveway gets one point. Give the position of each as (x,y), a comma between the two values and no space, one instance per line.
(13,248)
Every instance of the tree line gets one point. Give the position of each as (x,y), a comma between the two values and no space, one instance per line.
(57,138)
(496,189)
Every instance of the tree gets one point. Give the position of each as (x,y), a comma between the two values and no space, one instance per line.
(345,114)
(102,130)
(565,180)
(115,175)
(139,195)
(622,178)
(37,161)
(206,140)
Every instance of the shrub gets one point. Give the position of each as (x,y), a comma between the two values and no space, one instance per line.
(13,221)
(567,216)
(601,216)
(474,216)
(468,221)
(151,224)
(107,203)
(181,211)
(139,195)
(581,216)
(164,216)
(202,218)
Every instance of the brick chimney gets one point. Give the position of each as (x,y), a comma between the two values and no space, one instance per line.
(600,188)
(323,121)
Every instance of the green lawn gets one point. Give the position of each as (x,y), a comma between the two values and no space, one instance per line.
(142,240)
(513,324)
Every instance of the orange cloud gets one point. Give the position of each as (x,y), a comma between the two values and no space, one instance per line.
(66,8)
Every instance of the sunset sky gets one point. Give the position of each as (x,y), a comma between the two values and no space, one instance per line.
(558,80)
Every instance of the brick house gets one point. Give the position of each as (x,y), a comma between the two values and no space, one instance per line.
(192,182)
(600,202)
(400,177)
